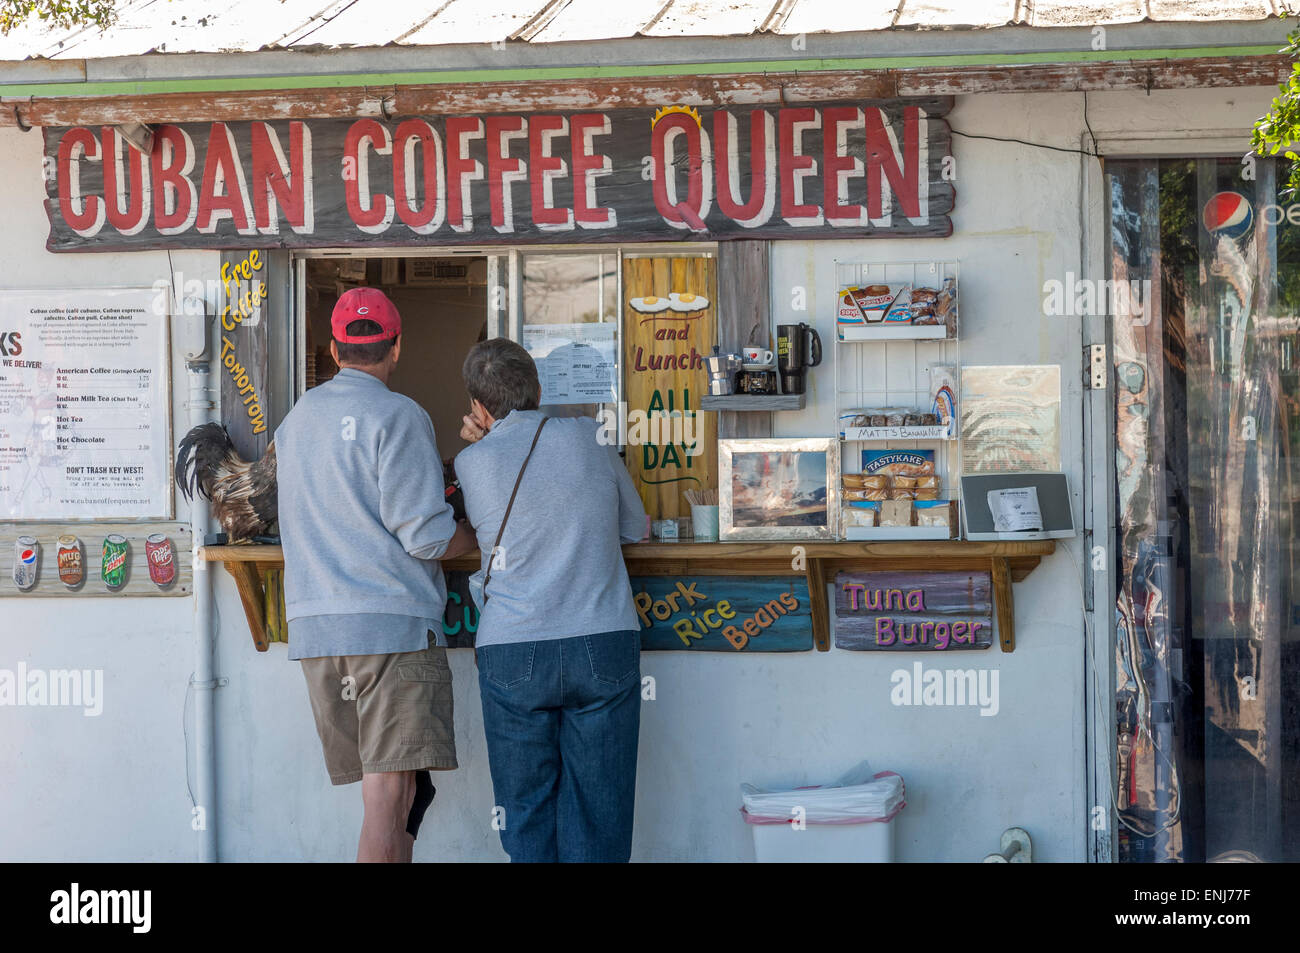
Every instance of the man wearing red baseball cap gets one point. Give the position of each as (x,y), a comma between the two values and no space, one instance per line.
(362,518)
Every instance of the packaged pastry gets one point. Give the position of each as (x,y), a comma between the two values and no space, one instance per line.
(905,482)
(861,514)
(934,513)
(927,483)
(853,480)
(927,494)
(847,311)
(874,300)
(894,463)
(899,493)
(924,295)
(896,513)
(875,482)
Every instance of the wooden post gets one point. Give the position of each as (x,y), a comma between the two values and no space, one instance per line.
(821,620)
(1002,601)
(744,317)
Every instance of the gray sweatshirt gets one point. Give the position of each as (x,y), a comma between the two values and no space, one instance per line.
(561,571)
(361,505)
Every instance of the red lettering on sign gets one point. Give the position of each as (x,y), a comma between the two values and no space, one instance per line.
(84,214)
(503,169)
(588,166)
(691,211)
(427,217)
(127,197)
(282,182)
(838,166)
(795,166)
(372,212)
(762,167)
(546,168)
(224,193)
(901,170)
(461,170)
(175,200)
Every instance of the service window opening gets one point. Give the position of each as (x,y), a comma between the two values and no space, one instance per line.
(444,307)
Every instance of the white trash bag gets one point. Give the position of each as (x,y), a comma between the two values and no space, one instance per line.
(858,797)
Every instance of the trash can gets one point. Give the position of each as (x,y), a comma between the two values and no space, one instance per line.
(850,821)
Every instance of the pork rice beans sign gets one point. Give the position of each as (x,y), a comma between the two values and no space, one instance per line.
(723,613)
(872,168)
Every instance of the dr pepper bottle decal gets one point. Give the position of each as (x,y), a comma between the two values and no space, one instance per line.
(162,559)
(113,564)
(27,554)
(72,568)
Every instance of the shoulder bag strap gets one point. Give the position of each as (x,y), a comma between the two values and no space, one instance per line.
(492,557)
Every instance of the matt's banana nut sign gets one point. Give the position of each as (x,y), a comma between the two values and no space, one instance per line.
(873,168)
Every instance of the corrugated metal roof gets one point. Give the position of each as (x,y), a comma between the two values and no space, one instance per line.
(201,26)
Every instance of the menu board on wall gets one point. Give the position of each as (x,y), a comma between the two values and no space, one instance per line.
(669,328)
(577,363)
(84,415)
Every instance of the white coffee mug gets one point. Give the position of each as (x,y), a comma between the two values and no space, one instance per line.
(758,355)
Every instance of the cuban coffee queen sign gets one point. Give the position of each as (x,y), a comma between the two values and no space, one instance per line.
(872,168)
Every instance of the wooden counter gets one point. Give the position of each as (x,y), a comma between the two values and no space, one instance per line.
(1008,562)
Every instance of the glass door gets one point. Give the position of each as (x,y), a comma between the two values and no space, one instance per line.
(1204,278)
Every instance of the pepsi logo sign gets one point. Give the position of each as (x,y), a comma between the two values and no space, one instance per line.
(28,556)
(1228,214)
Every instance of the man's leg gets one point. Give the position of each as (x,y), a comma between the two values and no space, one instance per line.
(599,728)
(387,797)
(517,684)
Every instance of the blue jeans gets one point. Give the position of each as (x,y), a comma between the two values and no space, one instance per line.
(562,719)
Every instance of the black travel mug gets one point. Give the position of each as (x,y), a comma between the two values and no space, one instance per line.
(798,347)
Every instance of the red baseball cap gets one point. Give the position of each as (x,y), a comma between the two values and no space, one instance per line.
(365,304)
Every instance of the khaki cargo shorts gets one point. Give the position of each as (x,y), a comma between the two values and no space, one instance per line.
(377,713)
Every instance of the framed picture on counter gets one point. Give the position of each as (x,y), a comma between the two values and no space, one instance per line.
(774,489)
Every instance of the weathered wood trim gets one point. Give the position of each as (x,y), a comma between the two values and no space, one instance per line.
(744,312)
(773,88)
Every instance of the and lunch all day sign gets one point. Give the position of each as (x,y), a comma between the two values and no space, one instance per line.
(913,611)
(870,168)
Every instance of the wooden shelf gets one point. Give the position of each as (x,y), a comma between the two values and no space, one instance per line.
(754,402)
(1008,562)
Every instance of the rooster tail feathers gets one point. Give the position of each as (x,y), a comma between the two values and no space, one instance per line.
(199,458)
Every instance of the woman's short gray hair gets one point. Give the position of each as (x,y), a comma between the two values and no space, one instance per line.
(501,376)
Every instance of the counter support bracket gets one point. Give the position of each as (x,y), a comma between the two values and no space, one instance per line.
(249,583)
(1004,604)
(821,624)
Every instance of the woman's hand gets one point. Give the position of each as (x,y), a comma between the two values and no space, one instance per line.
(475,427)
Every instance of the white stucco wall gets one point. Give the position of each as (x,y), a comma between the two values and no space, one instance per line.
(114,787)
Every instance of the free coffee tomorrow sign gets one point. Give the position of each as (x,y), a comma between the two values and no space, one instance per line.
(873,168)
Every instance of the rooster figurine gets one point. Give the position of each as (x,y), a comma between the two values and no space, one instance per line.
(243,494)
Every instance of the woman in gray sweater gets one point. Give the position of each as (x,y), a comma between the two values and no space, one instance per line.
(558,641)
